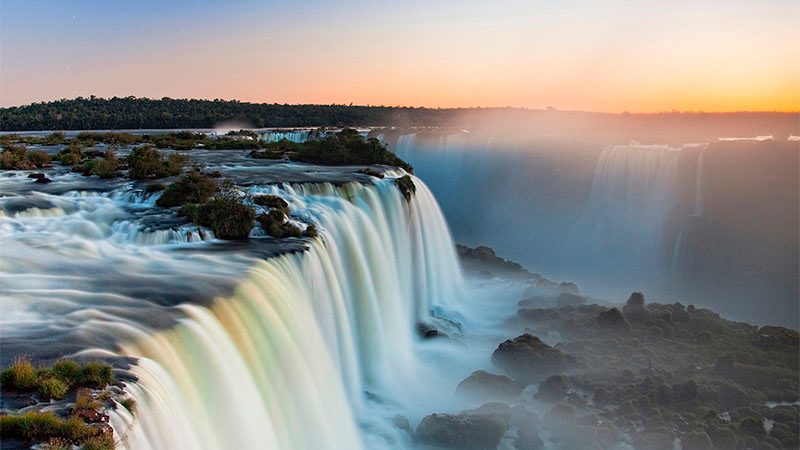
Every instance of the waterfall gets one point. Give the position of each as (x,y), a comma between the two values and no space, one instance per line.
(284,362)
(292,136)
(631,198)
(405,145)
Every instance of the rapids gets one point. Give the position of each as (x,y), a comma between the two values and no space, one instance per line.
(297,344)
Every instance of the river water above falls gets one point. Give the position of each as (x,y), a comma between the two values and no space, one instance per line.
(288,344)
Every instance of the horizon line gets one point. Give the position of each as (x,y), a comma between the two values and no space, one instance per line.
(549,108)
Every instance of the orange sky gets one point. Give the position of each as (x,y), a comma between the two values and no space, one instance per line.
(609,55)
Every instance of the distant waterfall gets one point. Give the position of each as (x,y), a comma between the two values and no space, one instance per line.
(405,145)
(285,361)
(292,136)
(632,196)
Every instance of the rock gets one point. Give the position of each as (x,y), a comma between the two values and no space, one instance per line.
(634,310)
(561,413)
(462,431)
(752,427)
(527,358)
(402,423)
(565,300)
(90,415)
(696,440)
(484,385)
(428,331)
(612,320)
(568,287)
(553,389)
(774,337)
(496,410)
(528,439)
(40,178)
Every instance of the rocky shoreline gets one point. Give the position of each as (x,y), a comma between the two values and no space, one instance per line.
(638,374)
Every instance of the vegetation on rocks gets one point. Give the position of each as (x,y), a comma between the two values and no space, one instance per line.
(56,380)
(346,147)
(18,157)
(192,187)
(147,162)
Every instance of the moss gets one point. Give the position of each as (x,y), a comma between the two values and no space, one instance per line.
(275,224)
(21,375)
(52,388)
(193,187)
(228,218)
(129,404)
(271,201)
(96,374)
(406,186)
(41,427)
(66,369)
(147,162)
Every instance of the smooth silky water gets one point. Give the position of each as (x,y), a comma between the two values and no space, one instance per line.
(292,344)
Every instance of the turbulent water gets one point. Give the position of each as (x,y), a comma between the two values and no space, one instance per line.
(297,344)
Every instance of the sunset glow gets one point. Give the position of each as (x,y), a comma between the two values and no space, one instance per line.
(601,56)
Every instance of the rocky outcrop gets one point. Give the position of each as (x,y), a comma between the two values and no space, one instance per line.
(462,431)
(526,358)
(484,385)
(634,310)
(552,389)
(612,320)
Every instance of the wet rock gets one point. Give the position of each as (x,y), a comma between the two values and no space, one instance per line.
(561,413)
(752,427)
(527,358)
(402,423)
(612,320)
(89,415)
(568,287)
(553,389)
(462,431)
(528,439)
(428,331)
(40,178)
(484,385)
(566,299)
(634,310)
(496,410)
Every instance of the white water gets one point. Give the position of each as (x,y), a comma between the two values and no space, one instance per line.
(285,361)
(632,196)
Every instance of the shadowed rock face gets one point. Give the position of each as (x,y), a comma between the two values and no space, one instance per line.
(527,358)
(462,431)
(484,385)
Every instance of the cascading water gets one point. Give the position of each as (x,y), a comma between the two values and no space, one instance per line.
(632,195)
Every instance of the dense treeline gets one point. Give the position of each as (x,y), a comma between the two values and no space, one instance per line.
(142,113)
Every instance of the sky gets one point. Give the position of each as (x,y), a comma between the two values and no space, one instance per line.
(594,55)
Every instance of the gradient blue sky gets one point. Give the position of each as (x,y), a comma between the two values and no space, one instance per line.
(608,55)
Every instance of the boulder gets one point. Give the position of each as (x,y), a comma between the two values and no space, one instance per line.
(553,389)
(528,439)
(634,310)
(527,358)
(40,178)
(612,320)
(696,440)
(462,431)
(484,385)
(496,410)
(566,299)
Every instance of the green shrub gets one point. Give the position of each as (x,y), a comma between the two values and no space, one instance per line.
(96,374)
(15,157)
(67,370)
(39,158)
(70,156)
(52,388)
(101,442)
(85,400)
(193,187)
(106,167)
(40,427)
(21,375)
(147,162)
(228,218)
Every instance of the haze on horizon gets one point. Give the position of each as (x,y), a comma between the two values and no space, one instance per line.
(608,55)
